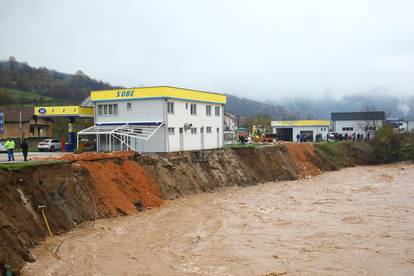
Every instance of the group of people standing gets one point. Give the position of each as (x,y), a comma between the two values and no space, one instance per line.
(304,138)
(333,136)
(10,146)
(349,136)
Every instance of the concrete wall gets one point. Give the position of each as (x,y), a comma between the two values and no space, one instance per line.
(182,115)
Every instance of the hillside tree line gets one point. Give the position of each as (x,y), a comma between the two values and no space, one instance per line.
(46,82)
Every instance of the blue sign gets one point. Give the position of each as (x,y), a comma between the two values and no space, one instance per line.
(1,122)
(42,110)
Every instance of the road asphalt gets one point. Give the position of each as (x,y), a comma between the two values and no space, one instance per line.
(18,156)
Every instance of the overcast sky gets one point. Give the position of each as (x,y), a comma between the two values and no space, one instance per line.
(256,49)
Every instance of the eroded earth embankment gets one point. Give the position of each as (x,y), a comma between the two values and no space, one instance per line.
(94,186)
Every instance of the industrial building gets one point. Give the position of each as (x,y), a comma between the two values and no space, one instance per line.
(157,119)
(290,130)
(363,123)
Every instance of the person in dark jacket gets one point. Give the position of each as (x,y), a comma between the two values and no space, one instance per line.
(25,149)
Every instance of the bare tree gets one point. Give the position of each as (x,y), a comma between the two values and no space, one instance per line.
(369,123)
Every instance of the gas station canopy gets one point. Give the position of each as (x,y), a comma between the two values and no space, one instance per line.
(64,111)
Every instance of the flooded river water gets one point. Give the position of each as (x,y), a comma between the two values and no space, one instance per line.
(357,221)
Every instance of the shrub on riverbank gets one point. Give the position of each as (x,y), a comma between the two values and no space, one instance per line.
(390,146)
(345,154)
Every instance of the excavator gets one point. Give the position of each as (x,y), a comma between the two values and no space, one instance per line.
(262,137)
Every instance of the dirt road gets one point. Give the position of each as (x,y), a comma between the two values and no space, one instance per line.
(357,221)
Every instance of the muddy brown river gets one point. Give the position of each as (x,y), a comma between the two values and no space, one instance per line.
(357,221)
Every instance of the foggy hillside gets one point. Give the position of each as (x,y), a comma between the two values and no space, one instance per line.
(393,106)
(73,88)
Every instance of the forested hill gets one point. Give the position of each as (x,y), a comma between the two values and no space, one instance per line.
(20,84)
(46,82)
(249,108)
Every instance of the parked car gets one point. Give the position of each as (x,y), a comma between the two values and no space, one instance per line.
(2,147)
(332,136)
(49,145)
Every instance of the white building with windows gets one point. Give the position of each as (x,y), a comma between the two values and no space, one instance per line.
(157,119)
(230,122)
(365,123)
(308,130)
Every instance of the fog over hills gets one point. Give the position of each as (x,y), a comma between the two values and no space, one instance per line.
(394,106)
(73,88)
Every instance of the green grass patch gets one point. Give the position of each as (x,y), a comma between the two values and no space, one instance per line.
(18,165)
(16,94)
(15,97)
(240,146)
(332,152)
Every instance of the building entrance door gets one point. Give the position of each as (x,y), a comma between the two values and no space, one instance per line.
(181,139)
(307,135)
(202,137)
(218,137)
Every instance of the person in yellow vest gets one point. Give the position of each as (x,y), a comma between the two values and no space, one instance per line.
(10,149)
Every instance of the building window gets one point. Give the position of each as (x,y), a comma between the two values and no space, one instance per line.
(218,130)
(129,106)
(208,110)
(193,130)
(170,107)
(208,129)
(347,128)
(107,109)
(217,109)
(186,105)
(41,131)
(193,109)
(171,130)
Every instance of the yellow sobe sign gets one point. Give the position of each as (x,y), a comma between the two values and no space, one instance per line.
(301,123)
(157,92)
(64,111)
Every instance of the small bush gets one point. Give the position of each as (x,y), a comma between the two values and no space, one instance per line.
(391,147)
(407,147)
